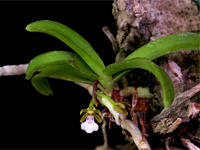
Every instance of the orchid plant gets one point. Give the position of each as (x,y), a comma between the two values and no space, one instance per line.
(85,66)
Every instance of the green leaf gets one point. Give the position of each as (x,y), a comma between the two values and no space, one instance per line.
(161,75)
(63,72)
(56,58)
(41,85)
(166,45)
(163,46)
(72,39)
(59,65)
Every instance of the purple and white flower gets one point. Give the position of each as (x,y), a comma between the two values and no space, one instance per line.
(89,125)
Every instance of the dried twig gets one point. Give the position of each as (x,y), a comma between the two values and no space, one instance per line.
(169,119)
(111,38)
(167,145)
(134,103)
(189,145)
(193,137)
(95,89)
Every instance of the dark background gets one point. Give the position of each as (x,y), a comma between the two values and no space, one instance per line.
(27,118)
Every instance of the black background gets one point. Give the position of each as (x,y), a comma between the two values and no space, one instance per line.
(27,118)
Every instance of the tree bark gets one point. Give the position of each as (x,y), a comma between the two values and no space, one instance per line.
(141,21)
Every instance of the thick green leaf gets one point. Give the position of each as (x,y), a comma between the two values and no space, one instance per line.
(63,72)
(41,85)
(56,58)
(168,44)
(72,39)
(163,46)
(161,75)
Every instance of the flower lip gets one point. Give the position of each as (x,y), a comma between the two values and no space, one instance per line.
(89,125)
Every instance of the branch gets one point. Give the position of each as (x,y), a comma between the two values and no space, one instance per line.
(11,70)
(111,38)
(182,110)
(189,145)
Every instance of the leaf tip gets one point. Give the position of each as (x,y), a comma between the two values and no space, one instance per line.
(28,77)
(30,27)
(27,28)
(49,93)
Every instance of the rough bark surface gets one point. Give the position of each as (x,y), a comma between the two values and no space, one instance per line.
(141,21)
